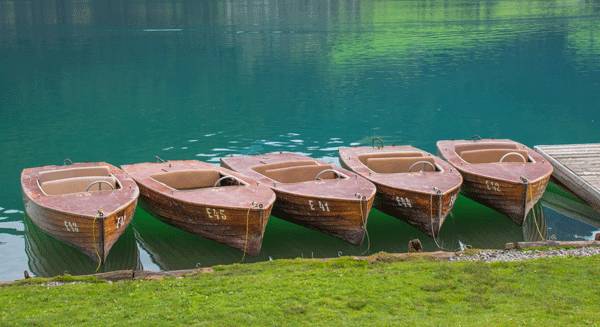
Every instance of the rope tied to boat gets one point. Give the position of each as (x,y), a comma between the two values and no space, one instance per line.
(253,205)
(99,215)
(67,162)
(439,194)
(529,192)
(364,215)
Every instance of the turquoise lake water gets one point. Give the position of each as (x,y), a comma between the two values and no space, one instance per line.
(123,81)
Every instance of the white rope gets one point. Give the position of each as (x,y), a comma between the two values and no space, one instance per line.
(364,216)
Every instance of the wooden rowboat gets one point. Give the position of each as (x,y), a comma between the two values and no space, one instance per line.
(211,201)
(88,205)
(312,193)
(411,183)
(502,174)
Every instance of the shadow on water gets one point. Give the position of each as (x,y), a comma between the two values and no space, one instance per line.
(48,256)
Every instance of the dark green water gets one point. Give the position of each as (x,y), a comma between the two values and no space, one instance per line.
(122,81)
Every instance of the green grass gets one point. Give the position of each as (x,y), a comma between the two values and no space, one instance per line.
(552,291)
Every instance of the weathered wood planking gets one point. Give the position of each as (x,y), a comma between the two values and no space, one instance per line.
(577,167)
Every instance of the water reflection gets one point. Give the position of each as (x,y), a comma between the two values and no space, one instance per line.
(48,256)
(478,226)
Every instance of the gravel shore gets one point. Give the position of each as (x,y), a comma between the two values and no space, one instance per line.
(518,255)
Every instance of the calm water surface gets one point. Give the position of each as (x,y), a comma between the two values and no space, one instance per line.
(122,81)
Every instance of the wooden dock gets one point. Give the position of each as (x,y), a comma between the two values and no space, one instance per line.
(577,167)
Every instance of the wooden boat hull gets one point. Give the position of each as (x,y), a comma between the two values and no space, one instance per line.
(234,215)
(94,237)
(337,207)
(340,218)
(423,199)
(243,230)
(514,200)
(426,212)
(510,187)
(90,223)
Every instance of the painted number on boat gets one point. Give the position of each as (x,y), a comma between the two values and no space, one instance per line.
(492,186)
(216,214)
(318,205)
(71,227)
(403,202)
(120,221)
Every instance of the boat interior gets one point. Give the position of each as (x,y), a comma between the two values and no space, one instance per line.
(298,171)
(398,162)
(192,179)
(492,153)
(77,180)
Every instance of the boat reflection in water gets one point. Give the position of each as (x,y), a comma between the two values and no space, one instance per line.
(171,248)
(535,227)
(559,217)
(49,257)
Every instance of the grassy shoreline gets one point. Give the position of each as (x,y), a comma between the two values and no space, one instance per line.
(338,291)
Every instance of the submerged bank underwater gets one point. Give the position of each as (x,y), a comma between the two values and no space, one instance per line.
(379,291)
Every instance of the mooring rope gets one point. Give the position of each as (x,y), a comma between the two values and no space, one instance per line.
(253,205)
(533,215)
(433,234)
(99,215)
(364,218)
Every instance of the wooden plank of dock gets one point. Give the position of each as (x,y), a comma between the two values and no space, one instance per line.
(577,167)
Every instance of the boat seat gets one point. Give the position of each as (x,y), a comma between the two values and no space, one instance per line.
(78,184)
(493,155)
(398,154)
(188,179)
(399,164)
(261,169)
(58,174)
(297,174)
